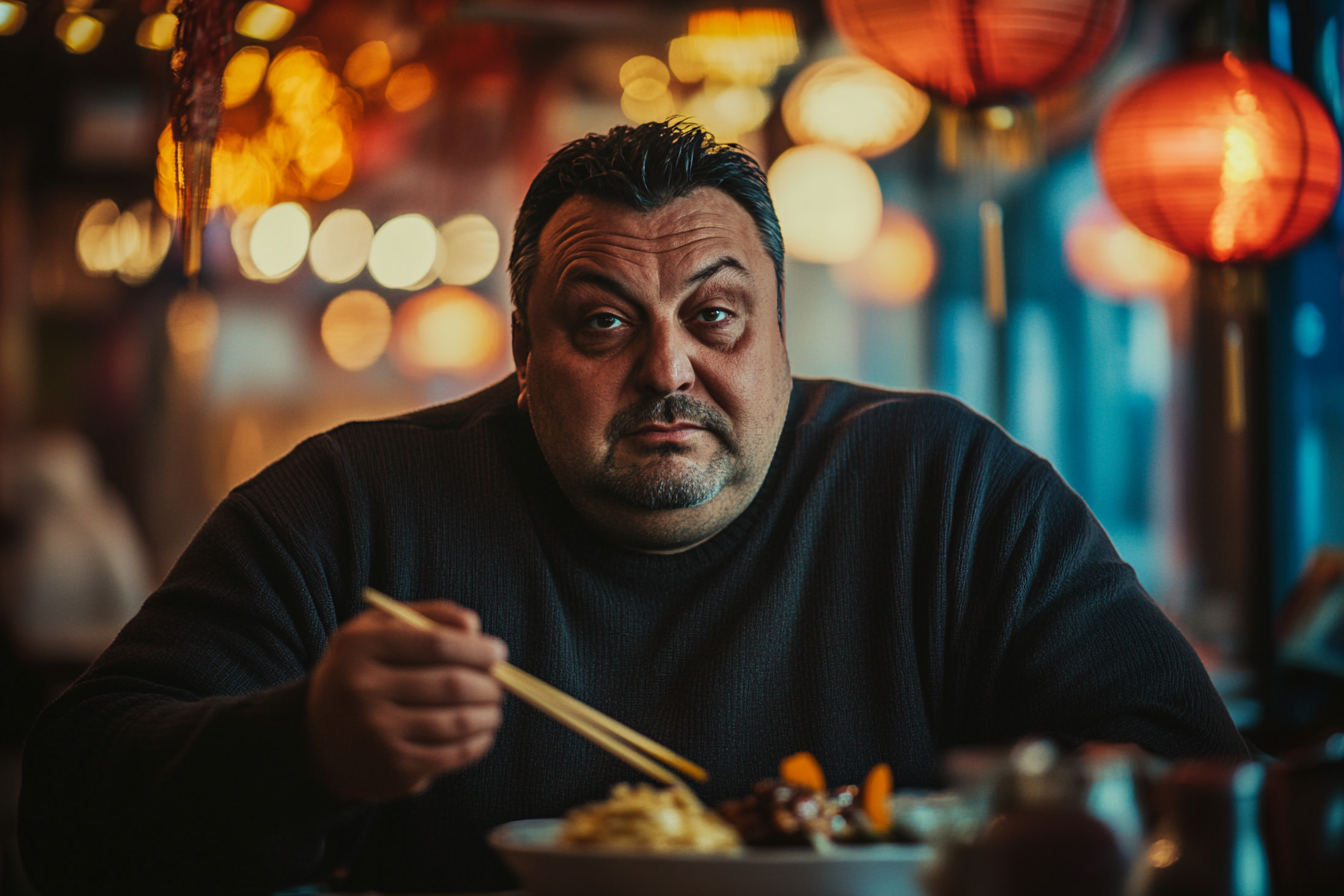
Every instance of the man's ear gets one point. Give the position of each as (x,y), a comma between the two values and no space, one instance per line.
(783,316)
(521,346)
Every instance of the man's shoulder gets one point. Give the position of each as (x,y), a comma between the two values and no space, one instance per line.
(494,401)
(827,403)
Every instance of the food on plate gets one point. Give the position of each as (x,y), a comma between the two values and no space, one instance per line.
(642,816)
(781,813)
(796,809)
(876,798)
(803,770)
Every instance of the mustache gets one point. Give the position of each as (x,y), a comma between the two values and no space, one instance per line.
(668,410)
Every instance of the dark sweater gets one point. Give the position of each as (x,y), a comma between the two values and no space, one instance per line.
(907,579)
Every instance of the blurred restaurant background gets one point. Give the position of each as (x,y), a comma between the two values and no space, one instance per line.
(370,158)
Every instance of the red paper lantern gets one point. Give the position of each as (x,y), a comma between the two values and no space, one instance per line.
(985,52)
(1224,160)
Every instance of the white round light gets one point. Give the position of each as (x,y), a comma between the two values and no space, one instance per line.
(405,252)
(470,250)
(279,240)
(828,201)
(340,247)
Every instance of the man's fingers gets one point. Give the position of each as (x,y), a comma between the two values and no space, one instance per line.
(436,728)
(446,686)
(398,644)
(445,612)
(449,757)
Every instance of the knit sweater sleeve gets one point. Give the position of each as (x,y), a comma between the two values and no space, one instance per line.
(1067,644)
(179,761)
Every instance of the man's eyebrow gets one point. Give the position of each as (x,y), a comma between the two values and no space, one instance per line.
(727,262)
(594,278)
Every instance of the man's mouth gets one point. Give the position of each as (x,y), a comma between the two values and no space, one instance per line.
(666,432)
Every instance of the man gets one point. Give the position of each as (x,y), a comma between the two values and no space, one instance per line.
(654,518)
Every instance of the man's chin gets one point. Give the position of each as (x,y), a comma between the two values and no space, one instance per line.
(670,482)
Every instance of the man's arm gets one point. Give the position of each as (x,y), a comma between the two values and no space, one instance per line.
(1060,639)
(186,759)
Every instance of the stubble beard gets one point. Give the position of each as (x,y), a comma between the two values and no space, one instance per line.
(666,479)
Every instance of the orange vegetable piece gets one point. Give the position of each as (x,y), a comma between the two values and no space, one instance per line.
(876,789)
(803,770)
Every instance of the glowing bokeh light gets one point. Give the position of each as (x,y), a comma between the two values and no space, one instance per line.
(356,328)
(409,87)
(855,104)
(369,64)
(156,31)
(727,46)
(303,150)
(729,112)
(155,239)
(105,238)
(79,32)
(240,236)
(340,245)
(898,268)
(263,21)
(192,323)
(13,13)
(828,201)
(405,253)
(244,74)
(648,105)
(279,239)
(637,67)
(470,250)
(448,328)
(1112,258)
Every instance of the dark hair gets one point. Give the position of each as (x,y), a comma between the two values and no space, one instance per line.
(644,168)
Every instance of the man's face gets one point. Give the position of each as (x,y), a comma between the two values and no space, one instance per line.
(653,365)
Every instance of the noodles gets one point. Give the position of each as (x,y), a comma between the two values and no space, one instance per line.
(644,817)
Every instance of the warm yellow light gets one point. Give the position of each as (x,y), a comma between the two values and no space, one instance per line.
(156,32)
(855,104)
(470,250)
(446,329)
(80,33)
(656,106)
(13,13)
(724,45)
(340,246)
(828,201)
(369,64)
(1112,259)
(240,236)
(279,239)
(263,21)
(356,328)
(193,327)
(637,67)
(243,75)
(106,238)
(729,112)
(409,87)
(335,179)
(155,239)
(405,253)
(898,268)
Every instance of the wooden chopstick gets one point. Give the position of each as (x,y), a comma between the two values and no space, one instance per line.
(609,734)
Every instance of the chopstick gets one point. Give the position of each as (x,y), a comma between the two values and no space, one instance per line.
(609,734)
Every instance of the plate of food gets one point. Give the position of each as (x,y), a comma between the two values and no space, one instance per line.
(783,839)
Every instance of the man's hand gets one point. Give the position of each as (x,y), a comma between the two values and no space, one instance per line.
(391,707)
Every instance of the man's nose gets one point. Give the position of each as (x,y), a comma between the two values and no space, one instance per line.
(665,366)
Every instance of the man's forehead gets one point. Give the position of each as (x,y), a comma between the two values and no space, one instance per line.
(704,214)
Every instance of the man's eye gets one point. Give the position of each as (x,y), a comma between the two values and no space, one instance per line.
(603,322)
(713,315)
